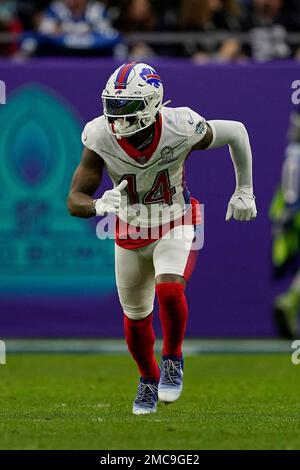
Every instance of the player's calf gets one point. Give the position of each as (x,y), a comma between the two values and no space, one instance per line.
(173,315)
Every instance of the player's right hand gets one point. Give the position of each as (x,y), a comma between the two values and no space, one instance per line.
(111,200)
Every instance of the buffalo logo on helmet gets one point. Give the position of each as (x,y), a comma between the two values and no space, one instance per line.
(151,77)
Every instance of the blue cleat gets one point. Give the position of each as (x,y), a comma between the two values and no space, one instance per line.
(146,399)
(171,379)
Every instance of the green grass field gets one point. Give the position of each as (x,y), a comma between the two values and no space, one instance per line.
(84,402)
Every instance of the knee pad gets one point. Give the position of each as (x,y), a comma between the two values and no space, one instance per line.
(137,304)
(136,315)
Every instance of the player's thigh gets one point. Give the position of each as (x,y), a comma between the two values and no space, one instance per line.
(135,281)
(174,253)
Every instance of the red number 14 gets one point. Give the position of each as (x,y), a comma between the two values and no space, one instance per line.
(161,191)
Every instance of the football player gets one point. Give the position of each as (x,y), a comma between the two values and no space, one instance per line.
(143,145)
(285,216)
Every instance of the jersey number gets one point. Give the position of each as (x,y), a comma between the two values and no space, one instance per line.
(161,191)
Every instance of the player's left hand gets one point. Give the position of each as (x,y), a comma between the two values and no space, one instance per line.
(242,205)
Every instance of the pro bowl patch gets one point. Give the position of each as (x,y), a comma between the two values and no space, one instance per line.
(167,155)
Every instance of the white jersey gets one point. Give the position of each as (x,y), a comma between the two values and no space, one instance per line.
(156,190)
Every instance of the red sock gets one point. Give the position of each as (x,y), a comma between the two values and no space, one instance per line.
(140,338)
(173,312)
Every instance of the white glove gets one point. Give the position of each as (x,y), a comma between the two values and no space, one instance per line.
(111,200)
(242,205)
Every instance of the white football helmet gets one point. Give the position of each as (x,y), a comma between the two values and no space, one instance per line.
(132,98)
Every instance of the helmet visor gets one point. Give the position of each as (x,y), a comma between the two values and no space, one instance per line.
(122,107)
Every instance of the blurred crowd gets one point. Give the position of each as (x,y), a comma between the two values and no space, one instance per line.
(230,29)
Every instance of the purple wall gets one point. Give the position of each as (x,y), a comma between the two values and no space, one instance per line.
(231,291)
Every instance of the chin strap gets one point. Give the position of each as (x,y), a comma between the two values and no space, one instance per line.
(122,126)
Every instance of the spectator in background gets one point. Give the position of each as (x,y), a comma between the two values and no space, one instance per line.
(167,13)
(77,25)
(268,31)
(290,15)
(210,16)
(138,16)
(30,13)
(9,23)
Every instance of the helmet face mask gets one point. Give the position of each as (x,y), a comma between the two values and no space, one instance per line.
(132,106)
(127,116)
(122,107)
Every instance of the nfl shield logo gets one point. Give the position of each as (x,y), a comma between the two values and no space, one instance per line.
(142,160)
